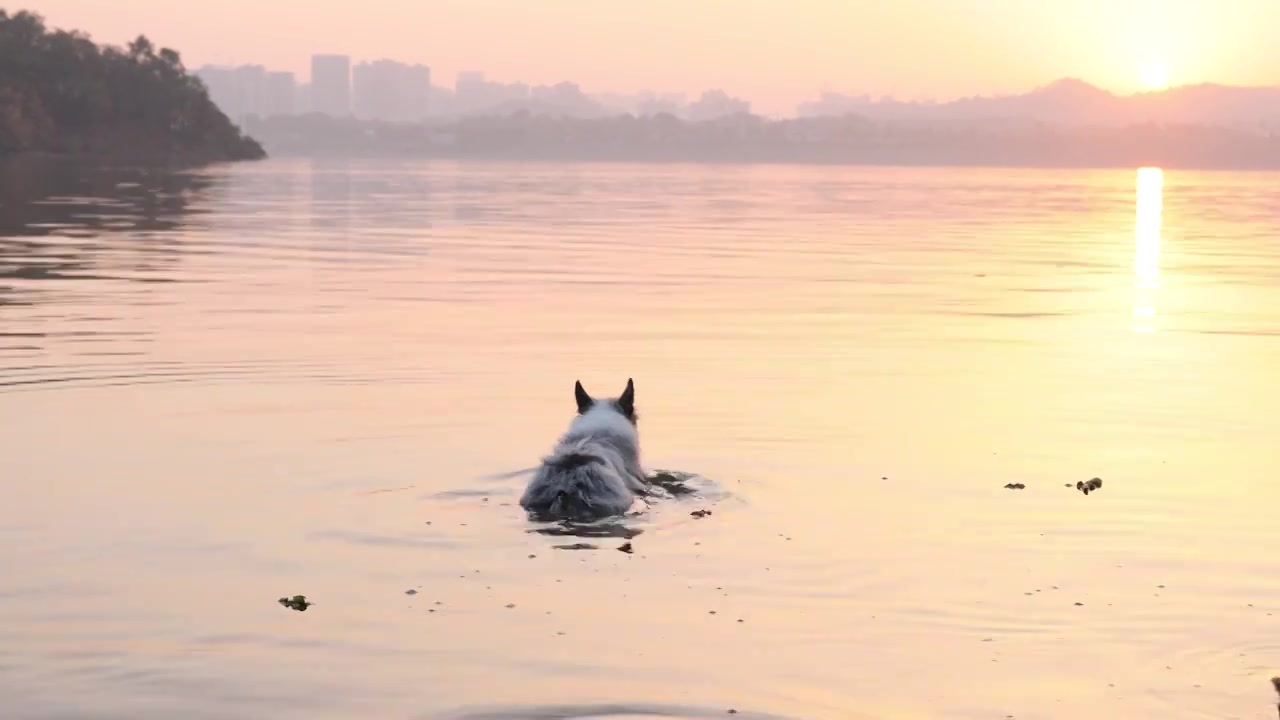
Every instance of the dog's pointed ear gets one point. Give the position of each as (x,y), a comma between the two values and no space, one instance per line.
(627,401)
(584,400)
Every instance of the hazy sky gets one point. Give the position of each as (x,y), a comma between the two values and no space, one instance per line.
(775,52)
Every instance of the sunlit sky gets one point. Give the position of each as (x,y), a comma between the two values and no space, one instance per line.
(774,52)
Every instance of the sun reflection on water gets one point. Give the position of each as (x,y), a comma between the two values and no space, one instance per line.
(1150,209)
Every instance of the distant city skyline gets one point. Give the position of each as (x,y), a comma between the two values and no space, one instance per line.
(777,54)
(390,90)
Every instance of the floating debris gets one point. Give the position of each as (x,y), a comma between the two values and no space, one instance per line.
(297,602)
(700,513)
(510,606)
(576,546)
(410,591)
(626,548)
(1015,486)
(1090,486)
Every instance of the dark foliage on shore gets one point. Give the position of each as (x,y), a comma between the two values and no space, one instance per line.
(62,94)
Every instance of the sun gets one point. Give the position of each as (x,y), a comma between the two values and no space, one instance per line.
(1154,76)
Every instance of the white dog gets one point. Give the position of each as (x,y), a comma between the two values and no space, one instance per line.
(594,471)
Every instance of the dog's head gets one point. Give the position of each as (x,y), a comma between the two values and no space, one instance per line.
(624,404)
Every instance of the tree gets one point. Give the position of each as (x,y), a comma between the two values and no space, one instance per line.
(141,49)
(59,92)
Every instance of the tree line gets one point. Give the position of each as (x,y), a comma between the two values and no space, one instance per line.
(61,93)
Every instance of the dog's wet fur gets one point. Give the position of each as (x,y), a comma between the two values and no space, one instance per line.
(594,471)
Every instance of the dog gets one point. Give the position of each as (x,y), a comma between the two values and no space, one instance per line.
(594,471)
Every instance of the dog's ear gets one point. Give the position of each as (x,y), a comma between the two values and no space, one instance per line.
(584,400)
(627,400)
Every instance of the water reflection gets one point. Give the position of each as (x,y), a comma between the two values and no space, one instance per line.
(62,221)
(331,198)
(279,397)
(1150,209)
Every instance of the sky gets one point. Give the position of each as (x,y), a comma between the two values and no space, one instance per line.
(773,52)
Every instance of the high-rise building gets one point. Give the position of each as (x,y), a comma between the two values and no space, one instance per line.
(473,93)
(302,99)
(417,80)
(441,102)
(470,91)
(278,94)
(331,85)
(238,92)
(717,104)
(220,82)
(392,91)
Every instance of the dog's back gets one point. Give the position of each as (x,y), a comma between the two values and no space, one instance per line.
(594,471)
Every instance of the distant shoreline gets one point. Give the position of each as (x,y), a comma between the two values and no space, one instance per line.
(923,163)
(746,139)
(182,163)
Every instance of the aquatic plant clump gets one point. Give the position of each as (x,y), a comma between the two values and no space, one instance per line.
(297,602)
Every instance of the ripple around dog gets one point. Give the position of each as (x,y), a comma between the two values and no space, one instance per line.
(679,483)
(673,481)
(669,484)
(602,529)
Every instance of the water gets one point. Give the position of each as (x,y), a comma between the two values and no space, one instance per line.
(229,386)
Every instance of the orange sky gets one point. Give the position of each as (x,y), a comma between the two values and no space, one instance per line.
(775,52)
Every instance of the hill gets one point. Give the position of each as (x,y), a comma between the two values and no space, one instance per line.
(60,93)
(1074,102)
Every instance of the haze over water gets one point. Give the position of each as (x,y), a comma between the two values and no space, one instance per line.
(232,385)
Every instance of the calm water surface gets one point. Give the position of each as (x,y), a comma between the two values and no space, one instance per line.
(322,378)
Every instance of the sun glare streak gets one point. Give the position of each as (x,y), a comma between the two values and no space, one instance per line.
(1150,212)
